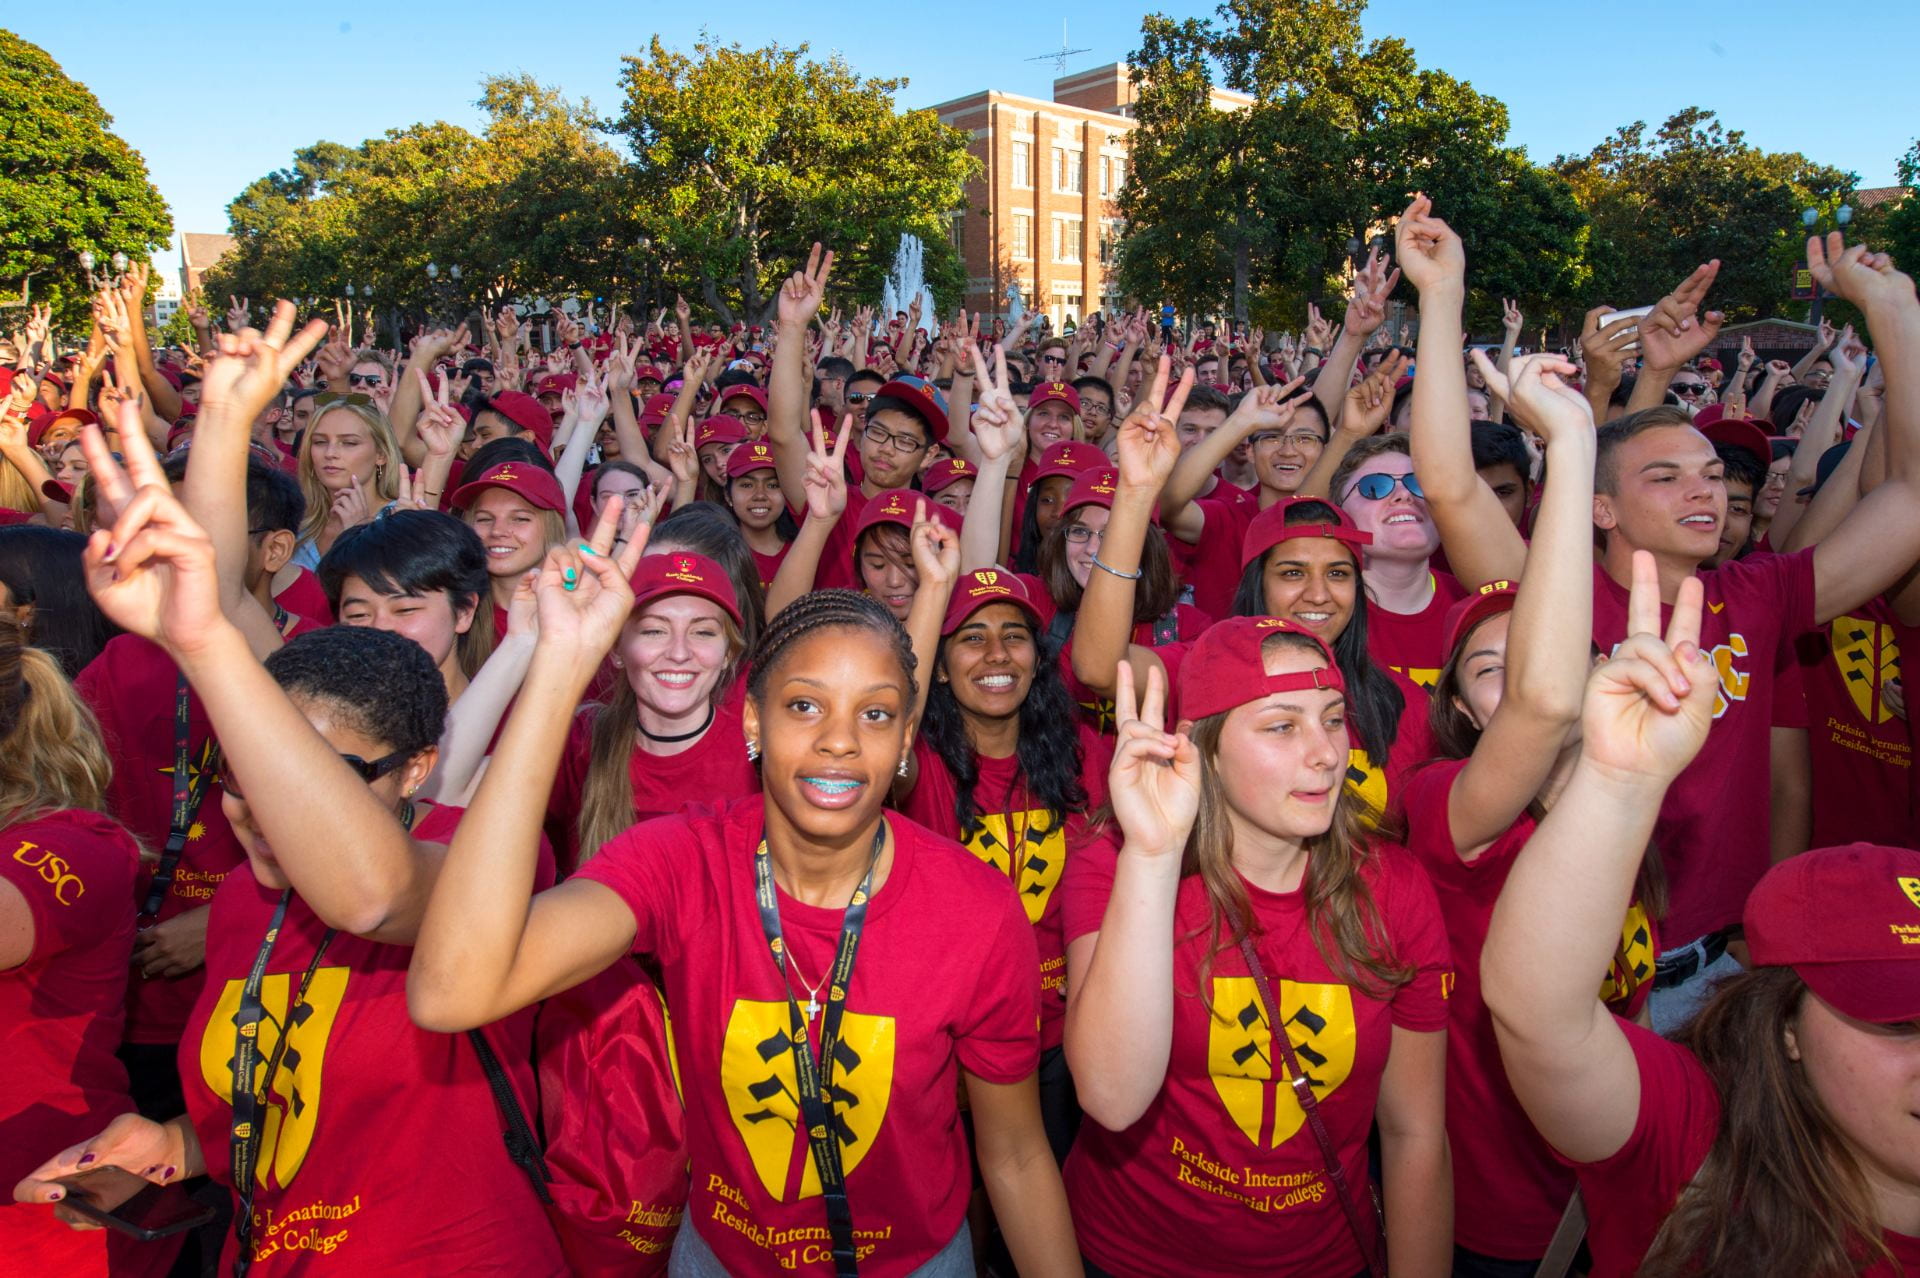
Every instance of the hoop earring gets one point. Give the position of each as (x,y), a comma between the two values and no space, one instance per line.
(753,751)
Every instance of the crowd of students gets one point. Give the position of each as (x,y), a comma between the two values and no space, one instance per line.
(872,799)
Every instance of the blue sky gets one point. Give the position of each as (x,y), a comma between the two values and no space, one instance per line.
(215,97)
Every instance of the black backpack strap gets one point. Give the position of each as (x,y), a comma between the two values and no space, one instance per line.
(523,1147)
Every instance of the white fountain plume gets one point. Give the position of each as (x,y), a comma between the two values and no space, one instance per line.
(907,281)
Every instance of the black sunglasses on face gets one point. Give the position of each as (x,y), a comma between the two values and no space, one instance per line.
(368,772)
(363,379)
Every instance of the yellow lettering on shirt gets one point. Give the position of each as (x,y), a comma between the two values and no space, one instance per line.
(65,886)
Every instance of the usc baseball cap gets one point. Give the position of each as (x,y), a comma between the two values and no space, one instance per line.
(1490,600)
(1270,527)
(684,573)
(1092,488)
(533,484)
(720,429)
(895,506)
(1068,457)
(1847,921)
(1050,392)
(927,403)
(982,587)
(748,458)
(945,473)
(1224,668)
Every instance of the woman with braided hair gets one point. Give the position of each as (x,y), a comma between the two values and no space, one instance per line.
(833,972)
(66,944)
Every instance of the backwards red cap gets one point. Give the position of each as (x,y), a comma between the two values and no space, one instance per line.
(1269,528)
(534,484)
(1224,668)
(1847,921)
(982,587)
(525,411)
(684,573)
(1490,600)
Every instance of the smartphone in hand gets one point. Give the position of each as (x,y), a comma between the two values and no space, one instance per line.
(120,1200)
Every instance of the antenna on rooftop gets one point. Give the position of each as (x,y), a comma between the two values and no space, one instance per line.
(1060,56)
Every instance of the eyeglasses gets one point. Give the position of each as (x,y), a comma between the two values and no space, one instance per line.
(1094,408)
(1378,487)
(880,437)
(1689,388)
(1080,534)
(363,379)
(756,419)
(368,772)
(1296,439)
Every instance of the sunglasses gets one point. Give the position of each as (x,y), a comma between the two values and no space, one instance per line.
(368,772)
(363,379)
(1377,487)
(859,397)
(1689,388)
(1053,359)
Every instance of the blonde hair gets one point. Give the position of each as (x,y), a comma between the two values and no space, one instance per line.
(386,462)
(16,492)
(54,758)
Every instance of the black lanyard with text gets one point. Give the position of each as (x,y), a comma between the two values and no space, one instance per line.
(189,792)
(249,1098)
(814,1080)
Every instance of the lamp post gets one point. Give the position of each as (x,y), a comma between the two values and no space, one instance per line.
(1810,218)
(96,282)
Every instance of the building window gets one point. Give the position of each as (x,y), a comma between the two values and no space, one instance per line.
(1022,236)
(1119,173)
(1068,171)
(1066,239)
(1105,186)
(1023,164)
(1107,238)
(956,231)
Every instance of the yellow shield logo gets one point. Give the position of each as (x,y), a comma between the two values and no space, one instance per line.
(756,1075)
(292,1107)
(1912,889)
(1868,659)
(1044,851)
(1369,783)
(1632,964)
(1251,1085)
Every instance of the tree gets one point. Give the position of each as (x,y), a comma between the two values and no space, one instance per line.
(1902,220)
(743,157)
(1272,196)
(1696,190)
(67,183)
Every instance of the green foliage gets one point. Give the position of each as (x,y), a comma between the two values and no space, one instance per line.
(1902,222)
(742,158)
(1693,191)
(1267,198)
(67,183)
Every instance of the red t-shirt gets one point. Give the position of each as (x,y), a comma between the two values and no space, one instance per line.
(60,1019)
(1509,1189)
(1009,817)
(1629,1195)
(836,570)
(1713,827)
(1224,1150)
(943,980)
(1415,643)
(1211,566)
(377,1104)
(305,597)
(768,565)
(131,687)
(1861,751)
(714,770)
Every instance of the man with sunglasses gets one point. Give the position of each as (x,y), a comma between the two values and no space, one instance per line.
(1407,600)
(1692,389)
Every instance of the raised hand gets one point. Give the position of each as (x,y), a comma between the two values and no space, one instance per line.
(1648,709)
(1746,354)
(39,324)
(248,367)
(239,314)
(999,427)
(1536,391)
(1370,402)
(585,595)
(1154,780)
(1148,444)
(698,364)
(592,399)
(1865,278)
(1676,329)
(1367,311)
(1848,356)
(682,458)
(335,359)
(439,427)
(1608,349)
(1428,249)
(936,551)
(1510,317)
(826,480)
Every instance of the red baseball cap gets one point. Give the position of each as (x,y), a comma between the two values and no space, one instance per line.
(684,573)
(1223,669)
(555,384)
(656,409)
(985,586)
(748,458)
(1740,432)
(80,417)
(744,391)
(526,412)
(925,401)
(1269,528)
(1047,392)
(1847,921)
(1490,600)
(1092,488)
(945,473)
(720,429)
(895,506)
(1069,457)
(647,372)
(58,491)
(536,485)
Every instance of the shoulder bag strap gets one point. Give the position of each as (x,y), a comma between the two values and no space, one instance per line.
(1566,1240)
(1372,1241)
(523,1147)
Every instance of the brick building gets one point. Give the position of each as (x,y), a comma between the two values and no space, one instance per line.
(1043,215)
(198,253)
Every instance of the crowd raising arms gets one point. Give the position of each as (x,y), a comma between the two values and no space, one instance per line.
(1186,951)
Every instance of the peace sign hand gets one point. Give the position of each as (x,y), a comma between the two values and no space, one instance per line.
(1148,445)
(936,552)
(1649,708)
(1537,392)
(826,480)
(585,590)
(440,428)
(683,459)
(1155,778)
(999,427)
(1864,278)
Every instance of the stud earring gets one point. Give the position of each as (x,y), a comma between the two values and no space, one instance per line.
(901,771)
(753,751)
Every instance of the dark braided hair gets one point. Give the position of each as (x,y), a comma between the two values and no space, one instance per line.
(827,610)
(385,683)
(1048,748)
(1373,699)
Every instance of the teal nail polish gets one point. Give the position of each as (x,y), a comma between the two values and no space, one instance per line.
(588,550)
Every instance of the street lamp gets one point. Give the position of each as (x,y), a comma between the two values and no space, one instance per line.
(1810,218)
(98,282)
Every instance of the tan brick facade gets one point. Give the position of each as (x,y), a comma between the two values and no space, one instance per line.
(1044,211)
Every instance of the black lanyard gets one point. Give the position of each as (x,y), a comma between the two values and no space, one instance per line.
(814,1080)
(249,1101)
(190,785)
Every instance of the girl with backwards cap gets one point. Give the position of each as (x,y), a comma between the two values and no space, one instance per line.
(803,911)
(1505,717)
(1253,982)
(1776,1134)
